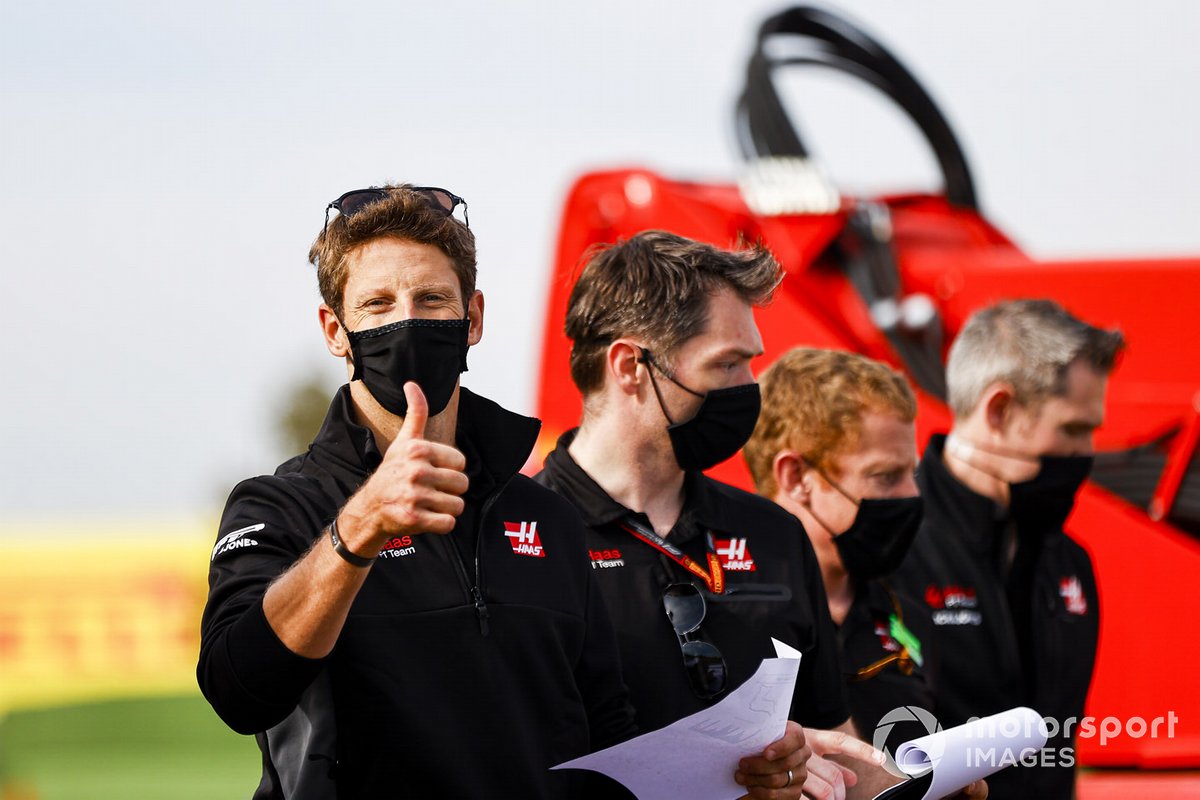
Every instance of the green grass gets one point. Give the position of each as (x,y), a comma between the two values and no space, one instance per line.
(172,748)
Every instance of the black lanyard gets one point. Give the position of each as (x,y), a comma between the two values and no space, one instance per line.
(713,577)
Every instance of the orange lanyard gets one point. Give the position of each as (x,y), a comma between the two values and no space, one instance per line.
(713,577)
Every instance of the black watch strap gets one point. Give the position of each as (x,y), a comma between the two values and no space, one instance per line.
(340,548)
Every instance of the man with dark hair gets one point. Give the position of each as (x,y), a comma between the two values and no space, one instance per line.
(1004,584)
(399,612)
(663,334)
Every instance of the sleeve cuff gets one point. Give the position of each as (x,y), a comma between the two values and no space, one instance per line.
(265,667)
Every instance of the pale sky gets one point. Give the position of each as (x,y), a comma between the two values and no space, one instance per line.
(166,165)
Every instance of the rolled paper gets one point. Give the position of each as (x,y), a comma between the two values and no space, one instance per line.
(964,754)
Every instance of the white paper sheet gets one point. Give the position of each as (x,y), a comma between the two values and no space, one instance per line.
(696,756)
(785,650)
(964,754)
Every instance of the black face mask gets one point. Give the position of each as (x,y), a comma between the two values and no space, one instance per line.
(719,428)
(430,352)
(876,542)
(1046,501)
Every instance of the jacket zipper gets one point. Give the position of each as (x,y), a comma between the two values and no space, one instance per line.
(481,610)
(474,588)
(472,591)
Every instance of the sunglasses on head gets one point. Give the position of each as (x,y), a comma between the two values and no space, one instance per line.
(356,200)
(702,660)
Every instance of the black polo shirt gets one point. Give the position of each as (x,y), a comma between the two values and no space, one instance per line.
(773,588)
(866,638)
(1023,635)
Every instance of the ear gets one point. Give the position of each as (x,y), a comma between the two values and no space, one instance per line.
(997,404)
(622,366)
(475,314)
(793,476)
(335,335)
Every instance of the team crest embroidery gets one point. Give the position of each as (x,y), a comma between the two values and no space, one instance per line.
(1071,591)
(523,537)
(735,556)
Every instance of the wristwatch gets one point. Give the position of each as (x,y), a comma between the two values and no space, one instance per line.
(340,548)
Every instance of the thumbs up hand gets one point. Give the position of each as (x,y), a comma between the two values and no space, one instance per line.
(417,488)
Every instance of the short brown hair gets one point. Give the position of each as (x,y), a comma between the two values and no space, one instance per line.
(656,286)
(403,214)
(1028,344)
(813,402)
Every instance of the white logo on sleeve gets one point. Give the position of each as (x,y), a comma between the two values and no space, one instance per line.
(236,539)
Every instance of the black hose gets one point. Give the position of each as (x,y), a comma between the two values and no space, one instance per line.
(825,40)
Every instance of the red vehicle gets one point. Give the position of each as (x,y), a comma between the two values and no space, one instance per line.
(894,278)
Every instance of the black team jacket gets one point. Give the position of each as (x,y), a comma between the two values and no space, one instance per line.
(470,663)
(865,640)
(1025,638)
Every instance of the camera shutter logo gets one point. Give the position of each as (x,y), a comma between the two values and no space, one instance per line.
(903,714)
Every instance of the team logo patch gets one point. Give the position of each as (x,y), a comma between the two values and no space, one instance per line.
(735,556)
(237,539)
(1071,591)
(524,538)
(883,629)
(953,605)
(398,547)
(606,559)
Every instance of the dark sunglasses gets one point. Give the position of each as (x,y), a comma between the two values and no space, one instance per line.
(356,200)
(702,660)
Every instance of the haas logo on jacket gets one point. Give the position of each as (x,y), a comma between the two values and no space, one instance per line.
(883,629)
(523,537)
(734,555)
(398,547)
(606,559)
(1071,591)
(953,605)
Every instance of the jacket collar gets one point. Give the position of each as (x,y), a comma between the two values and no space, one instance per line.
(949,503)
(496,441)
(563,473)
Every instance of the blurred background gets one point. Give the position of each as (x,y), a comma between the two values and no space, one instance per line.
(166,166)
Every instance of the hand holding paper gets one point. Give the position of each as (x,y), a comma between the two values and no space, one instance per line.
(783,765)
(696,756)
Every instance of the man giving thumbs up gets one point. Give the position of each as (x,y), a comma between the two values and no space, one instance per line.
(398,612)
